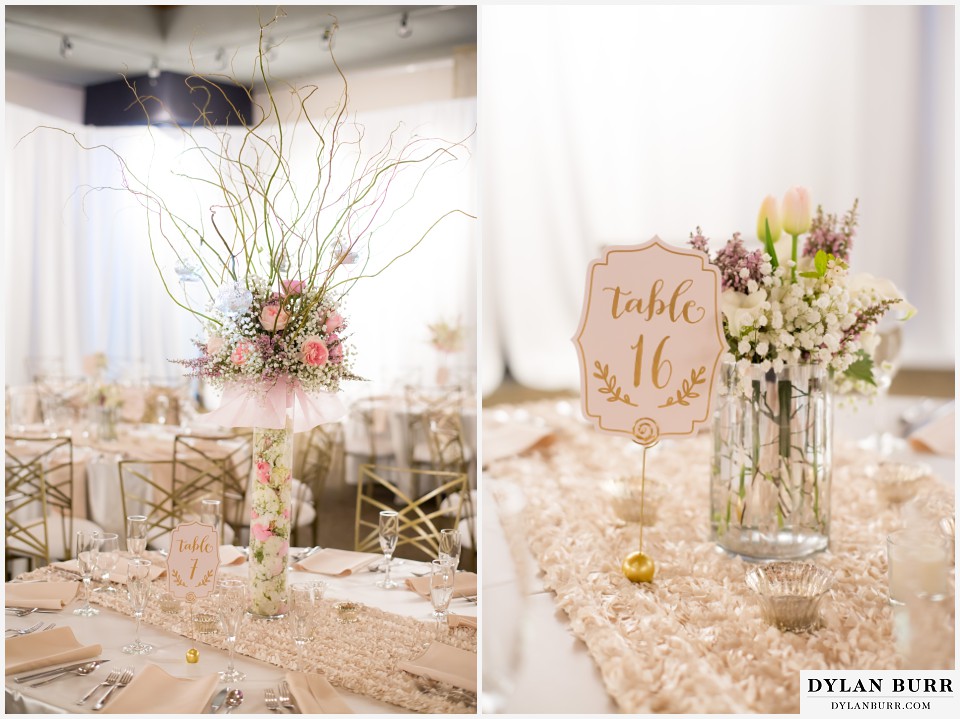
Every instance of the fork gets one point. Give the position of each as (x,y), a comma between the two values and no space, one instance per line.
(124,680)
(112,678)
(21,612)
(28,630)
(270,697)
(283,694)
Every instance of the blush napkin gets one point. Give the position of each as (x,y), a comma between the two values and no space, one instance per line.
(153,691)
(464,585)
(445,664)
(42,595)
(45,649)
(336,562)
(313,694)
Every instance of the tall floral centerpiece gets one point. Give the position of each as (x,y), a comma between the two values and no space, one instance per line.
(796,322)
(277,226)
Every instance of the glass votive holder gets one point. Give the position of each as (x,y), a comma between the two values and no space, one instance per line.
(896,482)
(205,623)
(348,612)
(790,593)
(624,495)
(916,565)
(169,604)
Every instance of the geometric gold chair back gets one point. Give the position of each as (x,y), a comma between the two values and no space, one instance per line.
(323,446)
(26,513)
(420,518)
(213,468)
(444,430)
(433,417)
(54,457)
(145,490)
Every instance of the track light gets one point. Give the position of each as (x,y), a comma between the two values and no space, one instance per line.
(154,72)
(66,47)
(404,30)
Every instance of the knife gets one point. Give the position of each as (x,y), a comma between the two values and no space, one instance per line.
(218,701)
(48,672)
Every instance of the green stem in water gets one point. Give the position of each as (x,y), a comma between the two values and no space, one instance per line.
(793,256)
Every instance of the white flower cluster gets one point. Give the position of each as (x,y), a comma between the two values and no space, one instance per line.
(270,520)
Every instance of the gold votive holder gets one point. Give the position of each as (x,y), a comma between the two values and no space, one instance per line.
(169,604)
(624,495)
(348,612)
(790,593)
(896,482)
(205,623)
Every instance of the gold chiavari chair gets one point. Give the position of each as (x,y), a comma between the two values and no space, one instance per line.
(216,468)
(49,459)
(435,430)
(313,468)
(25,498)
(421,518)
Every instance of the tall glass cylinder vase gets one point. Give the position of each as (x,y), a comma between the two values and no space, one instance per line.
(270,482)
(770,483)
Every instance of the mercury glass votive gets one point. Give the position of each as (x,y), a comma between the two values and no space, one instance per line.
(205,623)
(624,495)
(348,612)
(917,564)
(790,593)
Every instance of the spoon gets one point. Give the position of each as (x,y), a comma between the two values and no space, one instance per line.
(233,700)
(88,668)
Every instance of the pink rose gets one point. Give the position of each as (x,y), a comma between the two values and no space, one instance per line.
(241,353)
(284,548)
(292,287)
(336,349)
(286,512)
(260,532)
(214,344)
(314,352)
(263,471)
(334,322)
(273,318)
(253,514)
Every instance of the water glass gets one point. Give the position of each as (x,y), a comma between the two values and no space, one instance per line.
(916,565)
(442,575)
(138,588)
(210,514)
(231,607)
(87,547)
(389,534)
(450,546)
(136,534)
(304,600)
(107,558)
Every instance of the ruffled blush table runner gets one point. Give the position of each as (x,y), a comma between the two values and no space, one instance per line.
(693,641)
(362,657)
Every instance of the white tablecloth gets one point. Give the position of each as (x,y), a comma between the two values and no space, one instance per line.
(113,630)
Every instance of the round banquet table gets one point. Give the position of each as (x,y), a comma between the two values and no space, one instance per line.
(534,658)
(112,630)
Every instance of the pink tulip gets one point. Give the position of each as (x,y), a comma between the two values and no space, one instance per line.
(795,211)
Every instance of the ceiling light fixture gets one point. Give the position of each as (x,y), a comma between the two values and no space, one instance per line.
(66,47)
(404,30)
(154,72)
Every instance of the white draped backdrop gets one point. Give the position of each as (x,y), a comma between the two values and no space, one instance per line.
(606,125)
(79,277)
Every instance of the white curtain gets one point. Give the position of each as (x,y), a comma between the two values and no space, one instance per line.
(79,276)
(607,125)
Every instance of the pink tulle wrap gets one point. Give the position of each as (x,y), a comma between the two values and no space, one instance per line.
(243,406)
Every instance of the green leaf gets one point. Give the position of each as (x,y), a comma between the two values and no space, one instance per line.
(768,246)
(862,369)
(820,262)
(811,275)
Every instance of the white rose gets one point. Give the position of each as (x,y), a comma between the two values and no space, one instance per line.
(741,310)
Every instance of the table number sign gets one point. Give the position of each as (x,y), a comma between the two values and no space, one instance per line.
(649,342)
(193,561)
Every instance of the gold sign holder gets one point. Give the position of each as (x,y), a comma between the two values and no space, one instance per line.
(637,566)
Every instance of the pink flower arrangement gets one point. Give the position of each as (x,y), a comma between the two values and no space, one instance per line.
(335,348)
(263,472)
(273,318)
(261,533)
(214,344)
(314,351)
(292,287)
(242,353)
(334,323)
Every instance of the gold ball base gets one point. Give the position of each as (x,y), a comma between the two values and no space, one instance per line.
(638,567)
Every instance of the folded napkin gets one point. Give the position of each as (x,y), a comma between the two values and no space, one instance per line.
(936,436)
(46,649)
(464,585)
(336,562)
(231,556)
(42,595)
(153,691)
(313,694)
(506,440)
(445,664)
(459,620)
(119,573)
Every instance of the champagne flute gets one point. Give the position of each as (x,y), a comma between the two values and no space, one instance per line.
(231,606)
(138,588)
(442,574)
(210,514)
(304,601)
(87,548)
(136,534)
(107,559)
(389,533)
(449,548)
